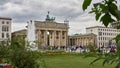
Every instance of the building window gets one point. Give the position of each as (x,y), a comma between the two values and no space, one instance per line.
(7,35)
(99,38)
(63,37)
(42,36)
(63,33)
(3,22)
(91,31)
(5,28)
(100,33)
(7,22)
(57,37)
(99,43)
(2,35)
(99,29)
(57,33)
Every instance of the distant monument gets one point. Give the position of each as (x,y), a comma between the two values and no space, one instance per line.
(46,33)
(31,36)
(48,18)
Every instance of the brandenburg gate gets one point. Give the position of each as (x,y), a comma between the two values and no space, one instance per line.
(51,33)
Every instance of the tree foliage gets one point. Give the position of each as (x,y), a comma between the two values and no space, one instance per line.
(91,47)
(106,12)
(21,57)
(86,4)
(17,54)
(4,53)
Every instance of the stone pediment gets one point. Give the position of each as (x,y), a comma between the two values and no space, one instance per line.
(48,24)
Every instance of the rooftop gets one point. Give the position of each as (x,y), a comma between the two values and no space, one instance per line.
(6,18)
(99,27)
(83,34)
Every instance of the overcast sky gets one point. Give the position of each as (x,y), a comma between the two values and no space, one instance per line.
(22,11)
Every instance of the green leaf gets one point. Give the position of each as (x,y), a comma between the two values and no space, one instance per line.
(106,19)
(86,3)
(95,60)
(112,8)
(96,5)
(103,7)
(118,47)
(118,65)
(115,60)
(117,14)
(93,10)
(98,16)
(117,38)
(112,1)
(118,26)
(106,60)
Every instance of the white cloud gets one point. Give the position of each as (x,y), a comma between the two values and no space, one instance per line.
(23,10)
(18,26)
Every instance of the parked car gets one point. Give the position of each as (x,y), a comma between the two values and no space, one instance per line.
(5,66)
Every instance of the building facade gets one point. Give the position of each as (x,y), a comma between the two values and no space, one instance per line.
(5,28)
(83,39)
(115,24)
(104,35)
(49,32)
(22,32)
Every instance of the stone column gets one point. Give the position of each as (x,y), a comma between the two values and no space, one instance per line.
(51,38)
(77,41)
(45,37)
(41,38)
(82,41)
(61,38)
(39,35)
(66,38)
(72,41)
(54,37)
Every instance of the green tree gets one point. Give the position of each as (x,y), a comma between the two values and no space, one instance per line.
(106,12)
(91,47)
(18,55)
(4,53)
(21,57)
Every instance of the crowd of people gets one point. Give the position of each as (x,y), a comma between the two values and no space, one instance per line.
(81,49)
(109,49)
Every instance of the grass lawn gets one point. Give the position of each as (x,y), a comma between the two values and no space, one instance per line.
(71,61)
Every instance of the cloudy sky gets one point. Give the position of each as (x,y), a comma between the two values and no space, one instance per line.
(22,11)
